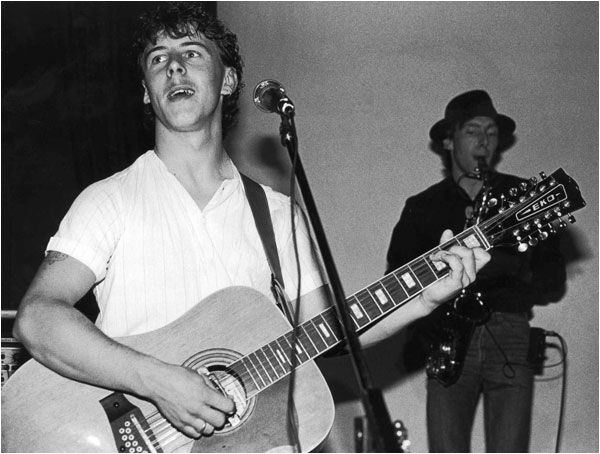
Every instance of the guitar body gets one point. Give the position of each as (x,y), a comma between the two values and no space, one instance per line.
(45,412)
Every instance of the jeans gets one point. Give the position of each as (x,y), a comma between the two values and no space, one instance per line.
(507,391)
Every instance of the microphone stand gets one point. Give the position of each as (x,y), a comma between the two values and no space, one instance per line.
(380,428)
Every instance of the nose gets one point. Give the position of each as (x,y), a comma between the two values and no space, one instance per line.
(485,137)
(175,66)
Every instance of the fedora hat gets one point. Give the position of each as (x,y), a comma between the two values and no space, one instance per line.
(474,103)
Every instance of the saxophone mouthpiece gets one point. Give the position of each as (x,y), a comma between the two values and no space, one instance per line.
(481,168)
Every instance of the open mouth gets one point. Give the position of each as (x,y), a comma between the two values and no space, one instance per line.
(180,93)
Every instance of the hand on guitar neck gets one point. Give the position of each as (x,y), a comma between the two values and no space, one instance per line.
(464,264)
(455,265)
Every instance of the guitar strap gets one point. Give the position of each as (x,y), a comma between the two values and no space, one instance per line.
(262,218)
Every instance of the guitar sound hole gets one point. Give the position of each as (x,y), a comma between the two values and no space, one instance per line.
(217,362)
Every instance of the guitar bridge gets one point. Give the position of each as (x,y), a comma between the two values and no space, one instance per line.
(129,427)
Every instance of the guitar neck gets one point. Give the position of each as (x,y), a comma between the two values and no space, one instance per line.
(316,336)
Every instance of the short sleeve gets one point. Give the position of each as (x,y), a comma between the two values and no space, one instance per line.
(91,229)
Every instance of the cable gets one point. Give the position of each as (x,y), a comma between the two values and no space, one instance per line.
(563,361)
(291,412)
(508,364)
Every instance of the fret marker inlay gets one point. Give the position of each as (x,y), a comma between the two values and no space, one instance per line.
(324,330)
(439,265)
(357,312)
(381,296)
(471,241)
(282,357)
(408,280)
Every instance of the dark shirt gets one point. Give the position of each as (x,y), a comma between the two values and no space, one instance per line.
(512,281)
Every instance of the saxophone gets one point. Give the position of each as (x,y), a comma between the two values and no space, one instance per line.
(460,318)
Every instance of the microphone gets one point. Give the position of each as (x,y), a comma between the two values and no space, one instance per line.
(269,96)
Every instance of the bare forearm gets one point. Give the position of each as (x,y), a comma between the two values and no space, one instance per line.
(463,265)
(64,340)
(318,300)
(396,321)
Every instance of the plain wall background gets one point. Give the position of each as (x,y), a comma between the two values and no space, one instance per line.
(368,80)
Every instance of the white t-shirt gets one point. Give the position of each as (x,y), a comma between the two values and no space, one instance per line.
(155,254)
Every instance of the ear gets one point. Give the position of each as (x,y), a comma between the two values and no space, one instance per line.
(146,95)
(229,81)
(448,144)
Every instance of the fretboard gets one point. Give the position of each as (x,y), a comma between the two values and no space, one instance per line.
(272,362)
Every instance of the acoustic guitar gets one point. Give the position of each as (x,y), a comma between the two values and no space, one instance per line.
(248,347)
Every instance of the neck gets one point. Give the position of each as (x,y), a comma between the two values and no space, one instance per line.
(468,182)
(194,157)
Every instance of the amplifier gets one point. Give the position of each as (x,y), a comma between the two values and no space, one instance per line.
(13,353)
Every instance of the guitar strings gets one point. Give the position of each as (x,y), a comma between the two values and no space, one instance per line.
(162,433)
(161,429)
(417,267)
(261,382)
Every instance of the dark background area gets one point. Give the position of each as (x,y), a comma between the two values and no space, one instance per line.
(71,115)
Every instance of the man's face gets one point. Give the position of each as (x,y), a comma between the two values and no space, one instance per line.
(477,138)
(184,80)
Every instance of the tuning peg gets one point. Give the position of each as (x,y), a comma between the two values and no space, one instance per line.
(543,175)
(533,181)
(522,247)
(523,186)
(566,204)
(562,224)
(492,203)
(533,241)
(544,235)
(571,218)
(513,192)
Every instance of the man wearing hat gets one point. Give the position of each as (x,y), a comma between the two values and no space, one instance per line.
(495,361)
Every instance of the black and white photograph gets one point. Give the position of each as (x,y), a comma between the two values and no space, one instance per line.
(300,226)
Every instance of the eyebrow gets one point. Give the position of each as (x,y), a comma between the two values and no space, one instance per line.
(183,44)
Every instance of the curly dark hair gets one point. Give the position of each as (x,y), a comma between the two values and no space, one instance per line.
(179,19)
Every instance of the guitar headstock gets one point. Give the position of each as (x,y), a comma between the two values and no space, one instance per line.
(534,211)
